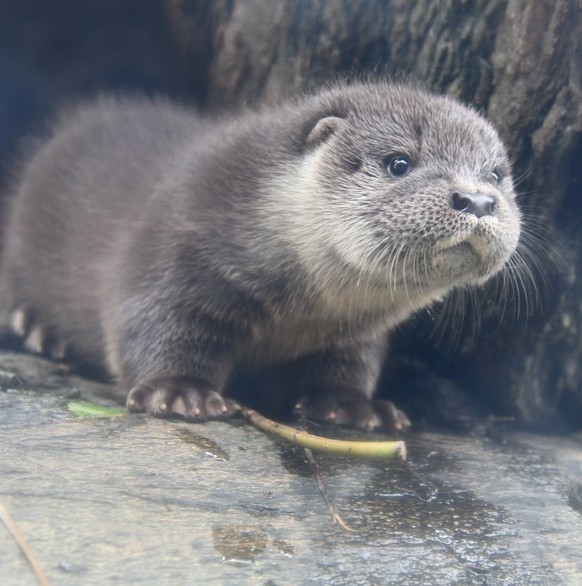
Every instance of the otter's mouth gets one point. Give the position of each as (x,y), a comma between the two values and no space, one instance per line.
(472,259)
(472,245)
(464,247)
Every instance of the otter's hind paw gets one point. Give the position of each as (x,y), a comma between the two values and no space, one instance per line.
(355,410)
(35,338)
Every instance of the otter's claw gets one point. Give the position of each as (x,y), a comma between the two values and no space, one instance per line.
(178,397)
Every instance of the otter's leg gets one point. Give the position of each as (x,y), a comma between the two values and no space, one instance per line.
(177,367)
(339,384)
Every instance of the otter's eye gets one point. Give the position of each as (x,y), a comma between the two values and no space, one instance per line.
(398,166)
(496,175)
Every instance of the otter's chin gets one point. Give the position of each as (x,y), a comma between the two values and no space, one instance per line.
(470,262)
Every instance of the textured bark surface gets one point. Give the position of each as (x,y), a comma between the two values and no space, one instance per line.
(518,62)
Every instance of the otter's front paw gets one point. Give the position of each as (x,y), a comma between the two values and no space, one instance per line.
(179,397)
(355,410)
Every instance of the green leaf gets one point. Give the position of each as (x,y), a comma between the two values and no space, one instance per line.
(83,409)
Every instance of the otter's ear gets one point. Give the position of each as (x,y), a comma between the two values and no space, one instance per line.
(324,128)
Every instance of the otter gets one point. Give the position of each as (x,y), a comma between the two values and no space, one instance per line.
(178,253)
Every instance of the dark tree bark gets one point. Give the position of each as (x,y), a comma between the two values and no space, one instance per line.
(520,63)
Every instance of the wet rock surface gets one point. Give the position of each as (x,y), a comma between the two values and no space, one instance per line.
(131,499)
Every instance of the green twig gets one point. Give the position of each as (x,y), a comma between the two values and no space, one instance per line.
(358,449)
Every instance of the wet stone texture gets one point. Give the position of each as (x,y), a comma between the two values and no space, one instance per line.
(127,500)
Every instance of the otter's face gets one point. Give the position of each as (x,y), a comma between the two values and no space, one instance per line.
(414,192)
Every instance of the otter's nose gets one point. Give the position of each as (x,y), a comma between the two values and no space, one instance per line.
(478,204)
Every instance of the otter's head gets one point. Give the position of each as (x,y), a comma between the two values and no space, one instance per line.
(410,191)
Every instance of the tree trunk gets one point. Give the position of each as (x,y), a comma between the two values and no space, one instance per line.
(517,61)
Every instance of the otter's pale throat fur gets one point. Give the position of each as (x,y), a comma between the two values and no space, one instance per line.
(179,252)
